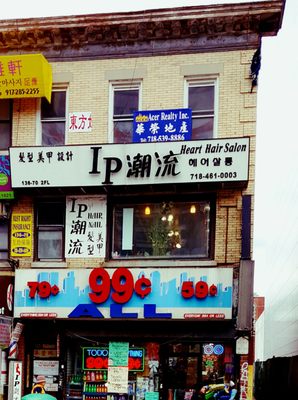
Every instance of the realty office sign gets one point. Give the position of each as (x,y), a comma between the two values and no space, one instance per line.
(195,161)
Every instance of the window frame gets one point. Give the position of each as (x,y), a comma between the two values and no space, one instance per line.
(145,201)
(56,88)
(9,121)
(49,228)
(203,81)
(113,87)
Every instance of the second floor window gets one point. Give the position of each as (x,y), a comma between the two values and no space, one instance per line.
(125,100)
(201,99)
(50,230)
(169,229)
(53,119)
(5,123)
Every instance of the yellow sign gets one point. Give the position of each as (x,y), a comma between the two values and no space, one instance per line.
(21,235)
(25,75)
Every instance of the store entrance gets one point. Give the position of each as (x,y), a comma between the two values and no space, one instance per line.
(183,370)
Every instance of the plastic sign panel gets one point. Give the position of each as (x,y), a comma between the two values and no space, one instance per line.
(85,226)
(5,178)
(123,293)
(195,161)
(25,75)
(15,380)
(21,235)
(162,125)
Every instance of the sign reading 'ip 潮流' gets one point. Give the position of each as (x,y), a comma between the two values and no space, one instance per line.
(195,161)
(162,125)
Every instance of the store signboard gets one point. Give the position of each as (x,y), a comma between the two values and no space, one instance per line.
(15,380)
(197,161)
(21,235)
(123,293)
(85,231)
(25,75)
(162,125)
(5,178)
(97,358)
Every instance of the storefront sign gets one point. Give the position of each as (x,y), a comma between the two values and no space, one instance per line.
(97,358)
(80,122)
(21,235)
(45,367)
(6,295)
(15,380)
(218,160)
(138,293)
(162,125)
(5,178)
(85,234)
(25,75)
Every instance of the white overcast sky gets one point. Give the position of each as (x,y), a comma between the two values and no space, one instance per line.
(276,220)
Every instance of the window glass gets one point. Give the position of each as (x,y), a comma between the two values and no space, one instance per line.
(50,228)
(166,229)
(3,239)
(5,123)
(125,102)
(53,119)
(201,102)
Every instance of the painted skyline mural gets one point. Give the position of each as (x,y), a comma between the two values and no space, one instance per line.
(166,294)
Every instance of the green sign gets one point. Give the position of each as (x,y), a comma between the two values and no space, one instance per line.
(118,354)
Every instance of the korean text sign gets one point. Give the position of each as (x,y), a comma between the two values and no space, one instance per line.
(25,75)
(195,161)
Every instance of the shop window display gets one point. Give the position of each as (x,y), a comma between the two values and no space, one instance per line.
(166,229)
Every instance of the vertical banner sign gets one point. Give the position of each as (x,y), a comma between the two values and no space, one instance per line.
(15,380)
(5,178)
(85,226)
(21,235)
(118,367)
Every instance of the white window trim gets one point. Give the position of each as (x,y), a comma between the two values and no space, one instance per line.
(204,81)
(125,85)
(55,88)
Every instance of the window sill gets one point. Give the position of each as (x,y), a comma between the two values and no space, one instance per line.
(49,264)
(132,262)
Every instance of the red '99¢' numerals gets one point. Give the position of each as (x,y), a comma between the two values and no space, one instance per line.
(121,283)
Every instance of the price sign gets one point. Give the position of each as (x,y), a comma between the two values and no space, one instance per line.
(120,286)
(43,289)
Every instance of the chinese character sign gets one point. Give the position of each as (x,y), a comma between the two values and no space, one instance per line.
(25,75)
(85,227)
(80,122)
(162,125)
(195,161)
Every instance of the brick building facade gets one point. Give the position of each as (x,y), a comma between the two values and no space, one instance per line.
(146,245)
